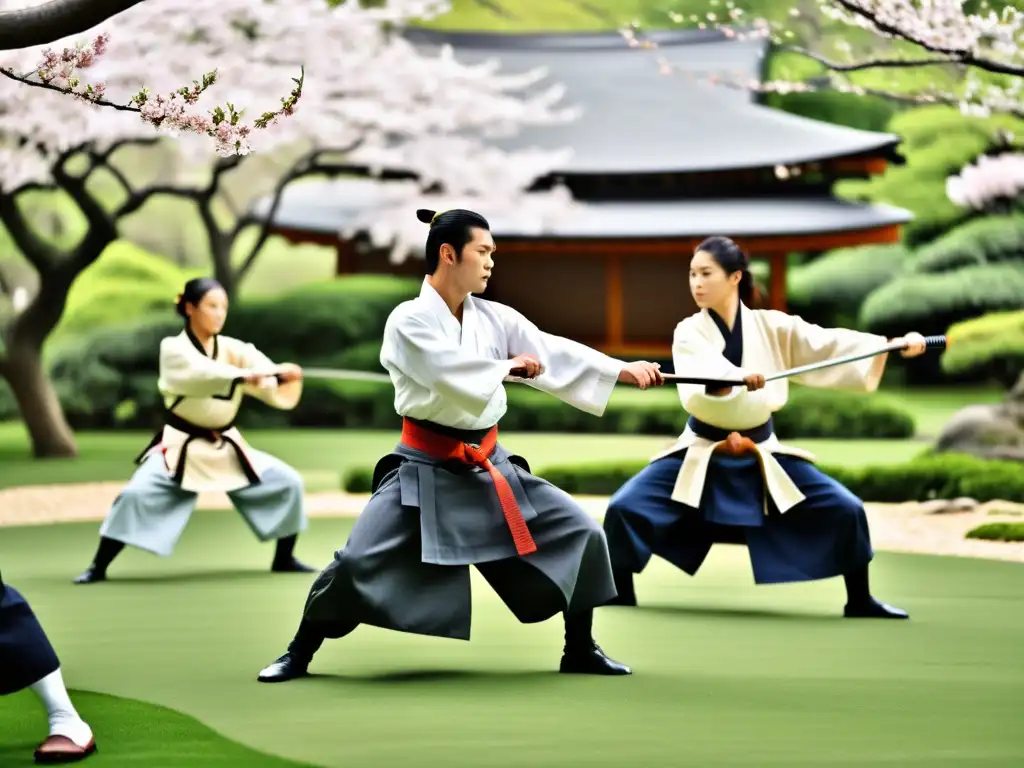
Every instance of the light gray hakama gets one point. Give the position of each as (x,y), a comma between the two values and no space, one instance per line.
(405,564)
(152,510)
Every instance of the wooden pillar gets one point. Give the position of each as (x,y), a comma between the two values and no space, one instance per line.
(345,258)
(614,313)
(777,281)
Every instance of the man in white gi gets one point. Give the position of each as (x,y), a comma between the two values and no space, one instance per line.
(450,495)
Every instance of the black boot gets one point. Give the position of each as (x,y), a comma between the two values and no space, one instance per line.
(582,655)
(624,586)
(284,560)
(105,554)
(295,662)
(859,602)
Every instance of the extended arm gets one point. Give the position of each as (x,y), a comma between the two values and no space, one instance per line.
(284,396)
(190,374)
(573,372)
(423,353)
(804,343)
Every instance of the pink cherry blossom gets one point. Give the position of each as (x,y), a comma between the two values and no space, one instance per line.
(990,180)
(365,89)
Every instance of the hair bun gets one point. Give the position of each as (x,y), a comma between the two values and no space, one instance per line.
(425,215)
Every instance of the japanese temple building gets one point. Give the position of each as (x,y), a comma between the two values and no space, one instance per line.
(660,161)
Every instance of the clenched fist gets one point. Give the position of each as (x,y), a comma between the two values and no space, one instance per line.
(526,366)
(642,374)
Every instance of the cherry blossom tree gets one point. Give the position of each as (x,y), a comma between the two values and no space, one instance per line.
(984,39)
(362,98)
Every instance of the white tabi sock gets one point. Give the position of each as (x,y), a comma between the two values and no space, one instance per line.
(64,718)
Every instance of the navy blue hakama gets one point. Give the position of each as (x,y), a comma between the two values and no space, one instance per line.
(823,536)
(26,655)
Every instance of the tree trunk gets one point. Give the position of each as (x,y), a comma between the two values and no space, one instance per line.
(51,436)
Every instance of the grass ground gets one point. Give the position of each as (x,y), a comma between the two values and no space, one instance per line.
(324,456)
(725,673)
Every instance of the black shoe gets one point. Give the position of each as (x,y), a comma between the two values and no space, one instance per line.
(592,661)
(291,565)
(282,669)
(873,609)
(90,576)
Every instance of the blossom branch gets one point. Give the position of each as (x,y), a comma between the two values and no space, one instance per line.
(858,66)
(868,11)
(58,72)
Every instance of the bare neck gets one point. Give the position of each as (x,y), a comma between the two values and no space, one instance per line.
(728,308)
(203,338)
(454,297)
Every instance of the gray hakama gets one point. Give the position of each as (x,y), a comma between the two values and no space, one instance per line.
(152,510)
(405,564)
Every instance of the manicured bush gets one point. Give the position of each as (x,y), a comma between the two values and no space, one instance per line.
(943,476)
(830,289)
(989,240)
(930,303)
(124,285)
(937,142)
(997,532)
(868,113)
(987,347)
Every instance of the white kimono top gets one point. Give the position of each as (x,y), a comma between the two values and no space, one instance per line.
(772,342)
(207,391)
(453,373)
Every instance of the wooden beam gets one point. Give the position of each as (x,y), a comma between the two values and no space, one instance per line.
(345,258)
(777,281)
(614,310)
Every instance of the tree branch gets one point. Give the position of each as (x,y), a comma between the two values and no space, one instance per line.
(835,66)
(306,165)
(959,55)
(27,80)
(40,254)
(55,20)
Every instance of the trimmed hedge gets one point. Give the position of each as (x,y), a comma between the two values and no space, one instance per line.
(938,141)
(830,289)
(987,347)
(931,303)
(109,380)
(989,240)
(945,476)
(997,532)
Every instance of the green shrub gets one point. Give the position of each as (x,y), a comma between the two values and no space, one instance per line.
(313,323)
(932,302)
(124,285)
(987,347)
(997,532)
(937,142)
(927,477)
(989,240)
(868,113)
(830,289)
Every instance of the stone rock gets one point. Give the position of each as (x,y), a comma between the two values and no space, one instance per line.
(988,431)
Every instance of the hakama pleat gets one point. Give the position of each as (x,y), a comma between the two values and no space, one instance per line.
(825,535)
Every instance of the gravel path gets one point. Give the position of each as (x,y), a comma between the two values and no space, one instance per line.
(935,527)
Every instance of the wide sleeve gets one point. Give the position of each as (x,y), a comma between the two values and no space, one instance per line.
(574,373)
(283,396)
(804,343)
(424,354)
(694,355)
(185,372)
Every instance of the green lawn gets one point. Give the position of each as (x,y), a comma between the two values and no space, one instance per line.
(725,673)
(324,455)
